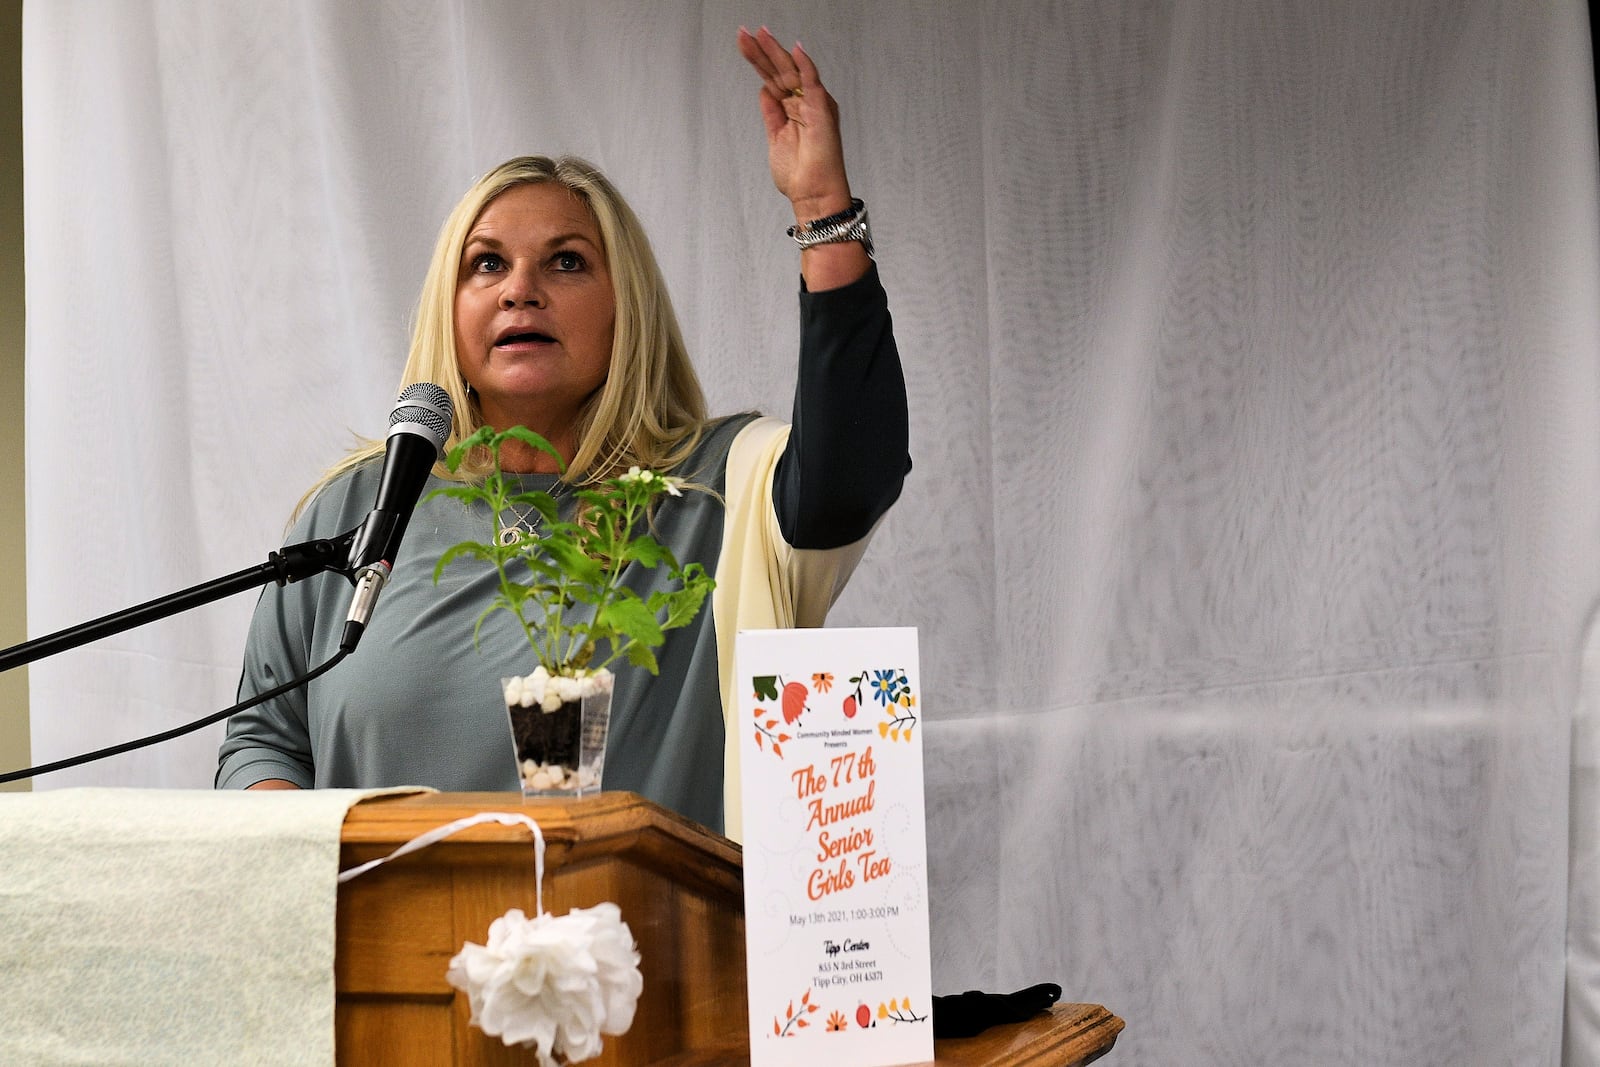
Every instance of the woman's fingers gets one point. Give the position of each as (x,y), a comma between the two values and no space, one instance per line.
(779,71)
(750,48)
(805,68)
(773,115)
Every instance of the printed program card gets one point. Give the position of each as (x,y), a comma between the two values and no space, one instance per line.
(835,850)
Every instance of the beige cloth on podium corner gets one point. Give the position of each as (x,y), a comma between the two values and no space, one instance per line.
(146,926)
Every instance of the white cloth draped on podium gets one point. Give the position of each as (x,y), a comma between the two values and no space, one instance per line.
(169,926)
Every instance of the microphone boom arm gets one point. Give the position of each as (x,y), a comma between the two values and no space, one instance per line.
(287,565)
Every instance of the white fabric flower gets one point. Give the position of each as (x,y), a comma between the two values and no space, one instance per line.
(553,984)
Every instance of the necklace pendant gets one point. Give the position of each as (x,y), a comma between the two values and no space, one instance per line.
(510,535)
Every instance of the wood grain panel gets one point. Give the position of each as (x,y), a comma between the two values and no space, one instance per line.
(400,1034)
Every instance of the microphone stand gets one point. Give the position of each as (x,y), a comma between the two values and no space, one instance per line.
(290,564)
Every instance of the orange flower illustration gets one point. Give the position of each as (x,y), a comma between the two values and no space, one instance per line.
(794,1021)
(837,1022)
(822,682)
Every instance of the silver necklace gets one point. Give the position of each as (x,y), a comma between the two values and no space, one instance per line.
(525,522)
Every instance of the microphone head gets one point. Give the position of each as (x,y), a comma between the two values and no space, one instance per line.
(425,409)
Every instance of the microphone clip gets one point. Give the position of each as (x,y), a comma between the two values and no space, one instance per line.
(295,562)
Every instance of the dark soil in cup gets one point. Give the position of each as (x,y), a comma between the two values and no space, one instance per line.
(547,737)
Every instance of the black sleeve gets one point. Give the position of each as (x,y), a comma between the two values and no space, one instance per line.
(848,450)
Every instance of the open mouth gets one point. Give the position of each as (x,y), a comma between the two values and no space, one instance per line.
(529,337)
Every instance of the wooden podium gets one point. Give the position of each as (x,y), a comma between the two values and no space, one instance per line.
(681,892)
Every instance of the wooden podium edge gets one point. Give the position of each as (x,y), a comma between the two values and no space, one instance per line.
(574,831)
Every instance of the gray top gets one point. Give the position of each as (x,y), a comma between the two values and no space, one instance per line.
(416,704)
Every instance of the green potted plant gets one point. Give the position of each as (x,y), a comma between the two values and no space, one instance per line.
(562,581)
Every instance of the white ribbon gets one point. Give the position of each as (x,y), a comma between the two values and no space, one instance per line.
(504,818)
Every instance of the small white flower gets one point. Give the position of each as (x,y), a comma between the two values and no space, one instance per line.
(635,474)
(553,984)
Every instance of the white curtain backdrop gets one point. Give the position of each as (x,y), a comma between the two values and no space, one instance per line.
(1254,370)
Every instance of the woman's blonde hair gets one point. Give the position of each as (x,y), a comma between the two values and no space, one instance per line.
(650,411)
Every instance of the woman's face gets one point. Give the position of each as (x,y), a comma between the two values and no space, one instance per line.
(534,310)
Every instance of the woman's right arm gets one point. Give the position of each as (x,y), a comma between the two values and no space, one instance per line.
(269,746)
(271,742)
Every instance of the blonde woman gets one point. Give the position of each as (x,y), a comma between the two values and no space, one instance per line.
(543,306)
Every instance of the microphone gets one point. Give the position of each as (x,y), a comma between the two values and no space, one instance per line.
(419,424)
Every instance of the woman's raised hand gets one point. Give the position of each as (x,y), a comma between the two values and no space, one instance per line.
(802,121)
(805,152)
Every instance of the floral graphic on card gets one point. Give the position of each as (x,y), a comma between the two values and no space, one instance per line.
(770,722)
(891,690)
(834,846)
(794,1021)
(781,704)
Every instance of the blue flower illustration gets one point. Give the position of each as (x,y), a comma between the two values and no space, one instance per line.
(884,686)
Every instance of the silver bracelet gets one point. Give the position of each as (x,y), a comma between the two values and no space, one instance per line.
(848,225)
